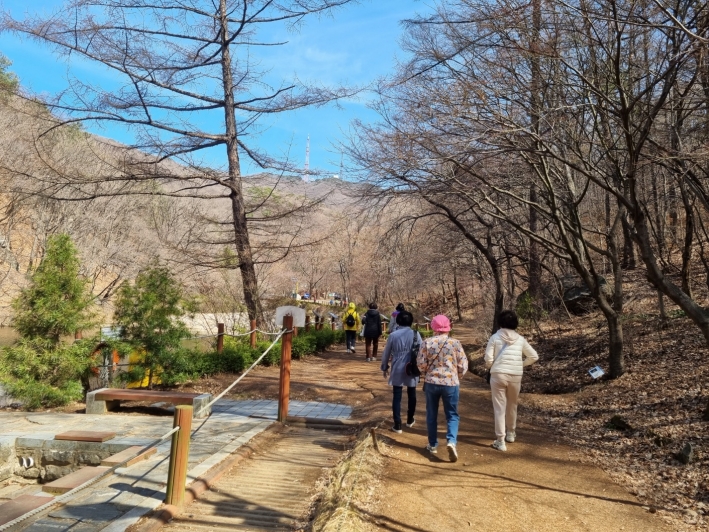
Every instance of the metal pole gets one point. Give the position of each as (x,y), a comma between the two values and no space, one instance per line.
(179,456)
(220,338)
(253,334)
(284,386)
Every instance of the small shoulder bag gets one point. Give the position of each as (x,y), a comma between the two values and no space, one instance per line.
(412,369)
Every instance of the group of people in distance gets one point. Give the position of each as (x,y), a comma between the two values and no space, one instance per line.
(442,363)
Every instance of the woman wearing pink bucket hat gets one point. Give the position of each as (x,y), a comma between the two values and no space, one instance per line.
(442,363)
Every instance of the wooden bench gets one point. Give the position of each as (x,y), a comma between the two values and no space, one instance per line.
(106,399)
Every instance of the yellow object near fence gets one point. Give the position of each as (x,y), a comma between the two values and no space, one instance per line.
(135,358)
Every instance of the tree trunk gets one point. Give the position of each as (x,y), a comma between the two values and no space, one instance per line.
(616,356)
(694,311)
(456,293)
(628,247)
(688,241)
(535,265)
(241,232)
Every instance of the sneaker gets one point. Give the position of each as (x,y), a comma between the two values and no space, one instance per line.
(411,424)
(353,350)
(499,445)
(452,452)
(433,449)
(510,438)
(348,349)
(396,428)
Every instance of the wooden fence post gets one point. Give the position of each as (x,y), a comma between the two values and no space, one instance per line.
(307,323)
(78,335)
(220,338)
(333,324)
(253,334)
(284,385)
(179,456)
(374,440)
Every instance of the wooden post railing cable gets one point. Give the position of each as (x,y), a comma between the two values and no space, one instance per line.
(245,373)
(253,334)
(61,498)
(179,456)
(65,496)
(284,383)
(220,338)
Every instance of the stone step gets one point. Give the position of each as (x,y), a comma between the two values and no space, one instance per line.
(85,435)
(72,480)
(128,453)
(20,506)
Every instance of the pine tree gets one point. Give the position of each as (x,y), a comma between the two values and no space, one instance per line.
(57,301)
(148,312)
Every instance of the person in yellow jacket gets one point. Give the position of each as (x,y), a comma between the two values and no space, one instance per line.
(351,324)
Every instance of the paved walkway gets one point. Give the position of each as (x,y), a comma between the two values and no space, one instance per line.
(121,499)
(269,409)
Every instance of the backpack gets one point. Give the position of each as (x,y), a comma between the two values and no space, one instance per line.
(411,369)
(350,320)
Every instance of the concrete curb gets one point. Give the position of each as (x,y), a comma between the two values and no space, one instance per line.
(166,513)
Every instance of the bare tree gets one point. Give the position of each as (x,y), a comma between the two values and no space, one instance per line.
(184,66)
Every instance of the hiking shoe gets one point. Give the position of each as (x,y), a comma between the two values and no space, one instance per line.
(367,359)
(510,438)
(433,449)
(396,428)
(499,445)
(452,452)
(411,424)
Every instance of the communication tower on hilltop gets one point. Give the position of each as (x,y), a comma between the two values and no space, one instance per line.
(306,174)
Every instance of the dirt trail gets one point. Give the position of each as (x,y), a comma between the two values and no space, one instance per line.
(539,484)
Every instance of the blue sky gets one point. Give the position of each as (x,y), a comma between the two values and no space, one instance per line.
(355,46)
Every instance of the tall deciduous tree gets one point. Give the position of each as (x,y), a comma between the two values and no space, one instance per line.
(57,301)
(190,83)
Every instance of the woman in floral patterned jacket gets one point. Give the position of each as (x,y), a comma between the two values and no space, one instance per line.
(442,363)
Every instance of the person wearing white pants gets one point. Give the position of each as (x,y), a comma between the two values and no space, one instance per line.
(506,355)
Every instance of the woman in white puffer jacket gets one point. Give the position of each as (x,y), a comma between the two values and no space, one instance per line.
(506,354)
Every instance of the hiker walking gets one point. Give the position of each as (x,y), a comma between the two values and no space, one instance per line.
(351,324)
(393,324)
(372,331)
(398,348)
(442,363)
(506,354)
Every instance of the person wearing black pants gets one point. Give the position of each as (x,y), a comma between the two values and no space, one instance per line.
(372,331)
(398,351)
(351,324)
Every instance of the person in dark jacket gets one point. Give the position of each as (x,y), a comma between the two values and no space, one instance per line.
(372,321)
